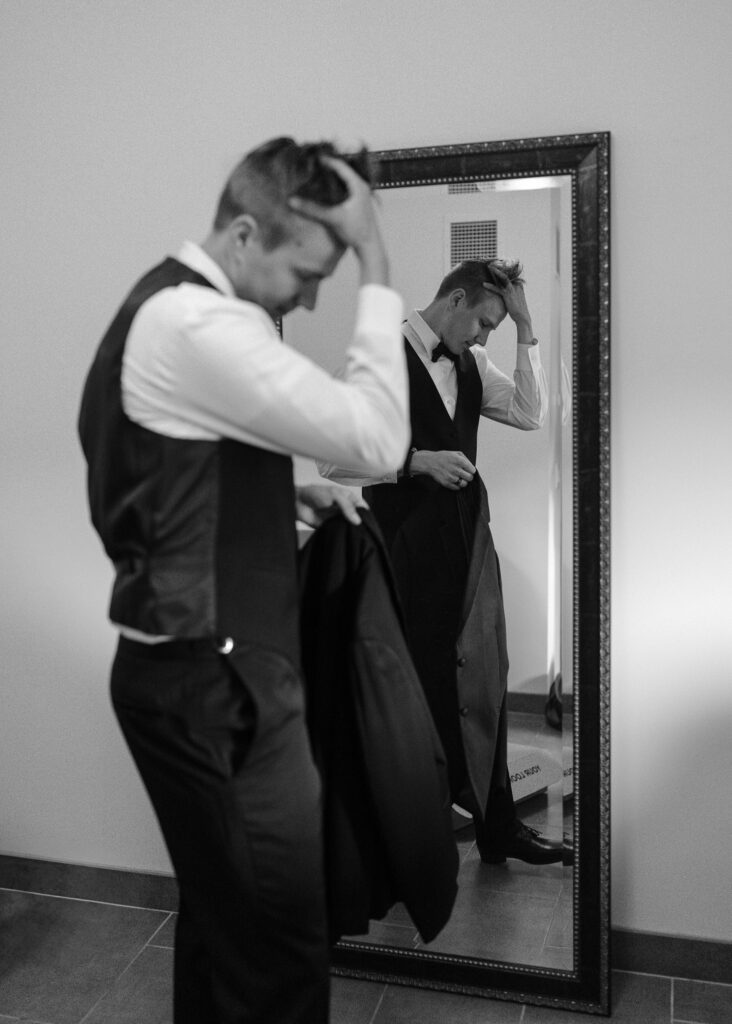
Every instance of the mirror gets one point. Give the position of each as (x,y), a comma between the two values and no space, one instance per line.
(531,933)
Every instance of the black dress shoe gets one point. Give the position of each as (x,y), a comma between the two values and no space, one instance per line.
(523,843)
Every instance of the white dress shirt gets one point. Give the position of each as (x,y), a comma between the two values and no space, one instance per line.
(203,364)
(521,402)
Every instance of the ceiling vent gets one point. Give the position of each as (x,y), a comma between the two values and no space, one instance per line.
(473,240)
(457,188)
(461,187)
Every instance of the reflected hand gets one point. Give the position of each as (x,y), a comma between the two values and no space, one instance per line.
(513,297)
(314,503)
(450,469)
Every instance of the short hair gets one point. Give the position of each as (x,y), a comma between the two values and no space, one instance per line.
(471,275)
(263,181)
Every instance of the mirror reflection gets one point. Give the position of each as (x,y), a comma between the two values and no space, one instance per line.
(492,465)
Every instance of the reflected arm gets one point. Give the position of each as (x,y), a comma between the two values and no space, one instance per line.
(521,402)
(351,478)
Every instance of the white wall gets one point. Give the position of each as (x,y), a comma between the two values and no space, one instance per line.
(119,121)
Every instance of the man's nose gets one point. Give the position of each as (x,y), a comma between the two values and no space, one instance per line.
(309,297)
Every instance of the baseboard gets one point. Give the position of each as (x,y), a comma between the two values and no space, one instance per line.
(674,956)
(100,885)
(639,952)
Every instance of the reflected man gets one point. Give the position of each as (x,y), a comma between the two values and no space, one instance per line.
(434,515)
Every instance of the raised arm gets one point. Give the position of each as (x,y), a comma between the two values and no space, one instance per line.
(522,401)
(354,222)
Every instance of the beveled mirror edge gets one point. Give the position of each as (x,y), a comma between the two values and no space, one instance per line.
(586,158)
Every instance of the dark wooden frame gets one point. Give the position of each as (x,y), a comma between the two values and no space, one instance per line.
(586,158)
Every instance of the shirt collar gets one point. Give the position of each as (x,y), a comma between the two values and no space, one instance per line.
(194,257)
(417,329)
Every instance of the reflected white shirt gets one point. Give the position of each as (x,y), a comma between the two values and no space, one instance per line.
(519,402)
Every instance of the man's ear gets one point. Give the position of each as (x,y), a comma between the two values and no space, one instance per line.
(455,298)
(243,230)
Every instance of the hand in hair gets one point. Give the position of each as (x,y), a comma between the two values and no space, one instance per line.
(321,183)
(514,299)
(353,222)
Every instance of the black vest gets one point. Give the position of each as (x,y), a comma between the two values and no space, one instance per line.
(433,430)
(201,533)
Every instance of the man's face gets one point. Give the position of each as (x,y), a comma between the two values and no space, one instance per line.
(470,325)
(289,275)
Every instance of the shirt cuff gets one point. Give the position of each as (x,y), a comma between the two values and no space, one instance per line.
(527,357)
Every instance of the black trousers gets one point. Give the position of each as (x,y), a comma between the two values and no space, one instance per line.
(221,746)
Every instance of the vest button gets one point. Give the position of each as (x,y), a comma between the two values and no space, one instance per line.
(461,661)
(463,712)
(225,646)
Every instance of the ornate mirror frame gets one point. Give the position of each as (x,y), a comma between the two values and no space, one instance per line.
(586,159)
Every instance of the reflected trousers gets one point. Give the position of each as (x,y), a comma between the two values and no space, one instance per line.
(221,746)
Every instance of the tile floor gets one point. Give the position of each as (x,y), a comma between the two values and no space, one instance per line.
(528,907)
(514,912)
(70,961)
(76,961)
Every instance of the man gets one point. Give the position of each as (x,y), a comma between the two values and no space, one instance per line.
(434,516)
(190,413)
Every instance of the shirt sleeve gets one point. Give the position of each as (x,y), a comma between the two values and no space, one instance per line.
(340,475)
(201,364)
(521,402)
(351,477)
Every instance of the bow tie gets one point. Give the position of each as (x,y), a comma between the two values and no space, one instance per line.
(440,350)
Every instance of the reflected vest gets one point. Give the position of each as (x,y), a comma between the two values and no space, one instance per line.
(201,533)
(430,533)
(433,430)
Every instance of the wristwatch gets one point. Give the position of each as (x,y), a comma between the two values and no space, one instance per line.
(407,462)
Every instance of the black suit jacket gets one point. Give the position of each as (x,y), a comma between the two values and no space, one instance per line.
(387,820)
